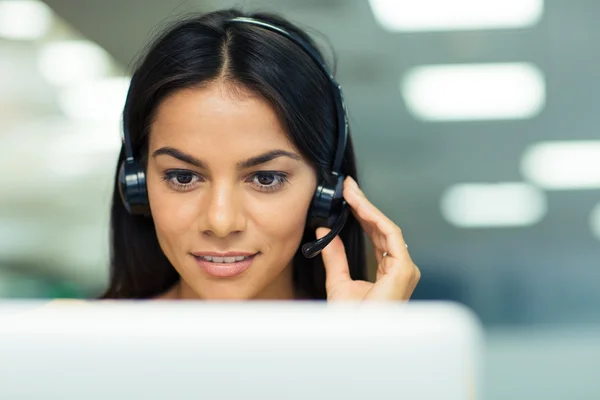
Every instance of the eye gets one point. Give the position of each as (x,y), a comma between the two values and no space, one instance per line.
(180,179)
(268,180)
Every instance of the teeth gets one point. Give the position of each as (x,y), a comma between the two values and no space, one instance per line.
(226,260)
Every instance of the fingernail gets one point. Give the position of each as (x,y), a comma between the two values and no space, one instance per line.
(353,182)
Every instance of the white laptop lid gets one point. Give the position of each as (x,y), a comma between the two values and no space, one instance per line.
(203,350)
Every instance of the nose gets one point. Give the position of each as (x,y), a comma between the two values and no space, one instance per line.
(224,211)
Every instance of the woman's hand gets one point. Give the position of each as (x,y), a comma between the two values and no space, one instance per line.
(397,274)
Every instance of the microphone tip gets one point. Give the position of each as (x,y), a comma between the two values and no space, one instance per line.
(308,250)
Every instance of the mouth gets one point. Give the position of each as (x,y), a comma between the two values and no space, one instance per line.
(224,260)
(224,266)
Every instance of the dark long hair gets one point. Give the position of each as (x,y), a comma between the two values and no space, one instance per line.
(199,50)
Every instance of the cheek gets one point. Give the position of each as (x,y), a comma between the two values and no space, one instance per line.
(281,219)
(171,212)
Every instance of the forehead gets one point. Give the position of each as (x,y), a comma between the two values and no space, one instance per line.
(217,117)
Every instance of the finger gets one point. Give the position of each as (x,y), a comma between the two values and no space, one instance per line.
(407,278)
(398,284)
(383,232)
(334,259)
(349,186)
(364,208)
(416,279)
(389,288)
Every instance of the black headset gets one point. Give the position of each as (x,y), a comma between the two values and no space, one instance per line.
(328,207)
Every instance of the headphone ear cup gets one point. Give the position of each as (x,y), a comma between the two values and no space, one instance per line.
(132,188)
(328,209)
(327,203)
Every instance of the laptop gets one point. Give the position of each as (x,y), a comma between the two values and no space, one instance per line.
(121,350)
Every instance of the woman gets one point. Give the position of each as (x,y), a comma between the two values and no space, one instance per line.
(236,154)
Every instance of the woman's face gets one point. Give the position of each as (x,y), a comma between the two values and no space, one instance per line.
(228,192)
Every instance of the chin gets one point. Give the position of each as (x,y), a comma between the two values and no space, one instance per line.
(220,293)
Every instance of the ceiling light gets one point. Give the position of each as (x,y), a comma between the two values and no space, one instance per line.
(474,91)
(24,19)
(72,61)
(435,15)
(563,164)
(100,100)
(509,204)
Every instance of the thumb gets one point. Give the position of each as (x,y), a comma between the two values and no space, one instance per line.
(334,259)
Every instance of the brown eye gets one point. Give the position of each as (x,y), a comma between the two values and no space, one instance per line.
(181,180)
(184,178)
(268,181)
(265,179)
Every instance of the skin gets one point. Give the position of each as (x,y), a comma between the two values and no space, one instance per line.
(206,197)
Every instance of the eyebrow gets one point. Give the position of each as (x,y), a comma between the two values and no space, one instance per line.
(249,163)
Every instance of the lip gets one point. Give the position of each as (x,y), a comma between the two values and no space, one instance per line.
(217,254)
(224,270)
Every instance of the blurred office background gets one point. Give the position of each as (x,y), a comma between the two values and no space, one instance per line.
(477,129)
